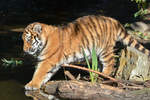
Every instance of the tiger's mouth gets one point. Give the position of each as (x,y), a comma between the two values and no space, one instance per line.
(31,52)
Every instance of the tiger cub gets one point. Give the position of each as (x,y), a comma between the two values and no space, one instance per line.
(54,46)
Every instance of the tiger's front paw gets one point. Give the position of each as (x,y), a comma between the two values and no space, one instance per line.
(32,86)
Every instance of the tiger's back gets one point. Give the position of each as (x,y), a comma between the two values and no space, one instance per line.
(101,33)
(65,44)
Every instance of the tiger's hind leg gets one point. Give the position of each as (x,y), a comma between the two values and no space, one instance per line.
(108,61)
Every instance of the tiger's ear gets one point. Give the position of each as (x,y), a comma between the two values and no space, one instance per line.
(37,28)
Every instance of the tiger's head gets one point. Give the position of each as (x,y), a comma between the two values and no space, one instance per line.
(34,39)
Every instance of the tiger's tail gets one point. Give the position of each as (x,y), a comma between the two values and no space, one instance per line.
(130,41)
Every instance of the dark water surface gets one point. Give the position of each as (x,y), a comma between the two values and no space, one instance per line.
(16,14)
(12,90)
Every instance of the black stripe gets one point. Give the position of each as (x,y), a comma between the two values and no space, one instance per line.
(106,34)
(110,34)
(137,45)
(88,29)
(92,26)
(98,34)
(30,31)
(103,35)
(105,23)
(25,31)
(130,42)
(114,30)
(82,41)
(82,31)
(93,23)
(60,34)
(143,50)
(105,54)
(44,46)
(76,28)
(118,26)
(115,27)
(108,60)
(34,43)
(125,35)
(103,51)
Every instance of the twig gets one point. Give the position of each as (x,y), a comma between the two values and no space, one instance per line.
(78,77)
(132,87)
(90,70)
(70,75)
(130,83)
(107,82)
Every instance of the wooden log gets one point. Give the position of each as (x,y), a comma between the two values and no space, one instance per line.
(82,90)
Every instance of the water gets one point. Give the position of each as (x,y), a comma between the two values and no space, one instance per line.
(12,90)
(13,19)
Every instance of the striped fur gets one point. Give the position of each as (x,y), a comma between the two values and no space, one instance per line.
(54,46)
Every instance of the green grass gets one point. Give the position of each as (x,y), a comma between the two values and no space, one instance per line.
(11,63)
(142,5)
(93,76)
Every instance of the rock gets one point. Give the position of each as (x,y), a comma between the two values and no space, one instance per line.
(140,26)
(140,30)
(134,65)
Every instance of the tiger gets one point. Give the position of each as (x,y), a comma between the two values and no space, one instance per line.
(63,44)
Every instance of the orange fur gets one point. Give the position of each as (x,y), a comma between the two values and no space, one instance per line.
(54,46)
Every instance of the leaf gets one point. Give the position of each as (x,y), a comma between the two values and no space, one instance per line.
(86,58)
(94,64)
(94,60)
(12,62)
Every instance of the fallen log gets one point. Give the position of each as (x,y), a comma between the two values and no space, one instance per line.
(83,90)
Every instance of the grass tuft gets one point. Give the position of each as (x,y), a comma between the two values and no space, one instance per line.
(93,76)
